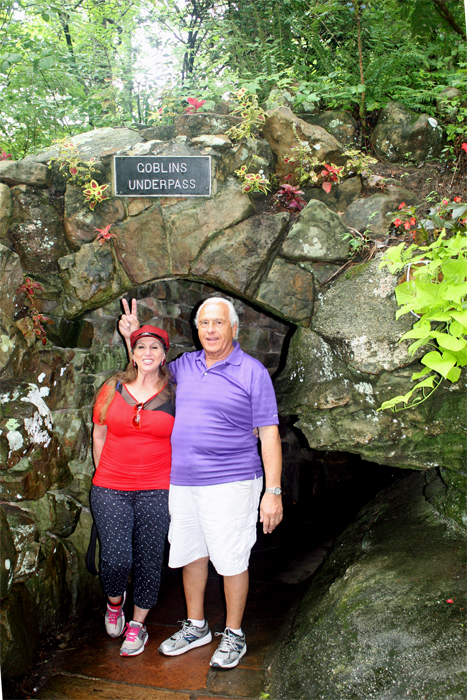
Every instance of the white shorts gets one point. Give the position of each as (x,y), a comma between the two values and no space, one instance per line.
(217,521)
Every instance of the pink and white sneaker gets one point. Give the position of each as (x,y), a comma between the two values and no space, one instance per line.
(115,618)
(136,638)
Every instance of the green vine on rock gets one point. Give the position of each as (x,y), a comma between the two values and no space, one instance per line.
(79,173)
(434,289)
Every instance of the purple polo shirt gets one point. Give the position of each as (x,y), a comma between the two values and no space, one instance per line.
(216,411)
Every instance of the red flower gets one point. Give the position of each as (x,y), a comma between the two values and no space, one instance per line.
(412,221)
(464,147)
(457,199)
(401,205)
(397,222)
(104,234)
(195,104)
(445,201)
(4,155)
(449,600)
(406,225)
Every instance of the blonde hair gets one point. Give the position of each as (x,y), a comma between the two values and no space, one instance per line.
(105,394)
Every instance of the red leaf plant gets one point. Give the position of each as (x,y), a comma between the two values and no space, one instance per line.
(288,197)
(4,155)
(104,234)
(195,104)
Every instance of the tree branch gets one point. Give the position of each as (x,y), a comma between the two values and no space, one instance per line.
(446,14)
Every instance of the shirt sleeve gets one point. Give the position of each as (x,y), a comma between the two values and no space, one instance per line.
(263,400)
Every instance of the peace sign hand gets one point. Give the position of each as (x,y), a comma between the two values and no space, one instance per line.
(128,322)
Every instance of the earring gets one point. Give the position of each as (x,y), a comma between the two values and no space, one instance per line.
(163,362)
(134,363)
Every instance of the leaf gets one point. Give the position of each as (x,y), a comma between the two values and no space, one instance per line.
(426,382)
(448,342)
(46,63)
(460,316)
(327,187)
(439,363)
(454,374)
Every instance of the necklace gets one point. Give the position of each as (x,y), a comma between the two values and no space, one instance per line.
(138,407)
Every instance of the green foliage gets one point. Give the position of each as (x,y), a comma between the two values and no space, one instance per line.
(94,193)
(76,171)
(252,115)
(435,291)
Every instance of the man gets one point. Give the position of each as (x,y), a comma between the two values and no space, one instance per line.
(216,478)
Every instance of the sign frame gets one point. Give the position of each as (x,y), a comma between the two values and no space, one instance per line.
(175,158)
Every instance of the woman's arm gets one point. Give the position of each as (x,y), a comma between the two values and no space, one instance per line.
(99,434)
(128,322)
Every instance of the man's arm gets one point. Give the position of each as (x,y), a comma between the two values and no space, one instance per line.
(271,451)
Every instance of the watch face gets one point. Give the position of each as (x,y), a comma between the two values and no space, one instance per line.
(277,491)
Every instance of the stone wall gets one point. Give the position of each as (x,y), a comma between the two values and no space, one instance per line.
(170,253)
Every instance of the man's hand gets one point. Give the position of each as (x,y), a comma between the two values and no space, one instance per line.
(270,512)
(128,322)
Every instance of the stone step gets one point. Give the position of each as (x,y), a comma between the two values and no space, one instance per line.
(64,687)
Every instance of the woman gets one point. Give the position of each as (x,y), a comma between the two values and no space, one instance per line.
(133,420)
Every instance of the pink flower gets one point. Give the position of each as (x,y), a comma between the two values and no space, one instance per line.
(449,600)
(457,199)
(445,201)
(4,155)
(464,147)
(401,205)
(397,222)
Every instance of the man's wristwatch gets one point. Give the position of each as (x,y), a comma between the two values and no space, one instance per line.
(276,491)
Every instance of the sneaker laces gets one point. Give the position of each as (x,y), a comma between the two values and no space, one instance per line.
(186,627)
(113,614)
(228,642)
(131,633)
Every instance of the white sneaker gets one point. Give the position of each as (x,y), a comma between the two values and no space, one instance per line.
(115,618)
(230,650)
(185,639)
(136,638)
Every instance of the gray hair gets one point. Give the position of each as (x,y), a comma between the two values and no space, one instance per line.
(233,317)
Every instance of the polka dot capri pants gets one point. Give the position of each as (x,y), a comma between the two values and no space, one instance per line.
(132,527)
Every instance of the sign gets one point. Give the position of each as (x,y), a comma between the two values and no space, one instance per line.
(162,176)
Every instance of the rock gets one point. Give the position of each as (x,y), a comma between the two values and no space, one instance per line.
(8,555)
(238,258)
(369,215)
(67,511)
(85,589)
(25,535)
(336,122)
(81,223)
(191,223)
(368,338)
(19,632)
(49,587)
(11,276)
(160,132)
(337,409)
(340,197)
(36,231)
(6,209)
(382,595)
(25,172)
(142,246)
(400,134)
(288,292)
(21,482)
(94,144)
(448,102)
(192,125)
(445,490)
(317,236)
(91,277)
(278,131)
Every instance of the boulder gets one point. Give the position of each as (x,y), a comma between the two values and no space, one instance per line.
(239,257)
(318,235)
(19,632)
(278,130)
(91,277)
(337,409)
(448,102)
(25,172)
(369,215)
(94,144)
(340,197)
(81,223)
(336,122)
(400,134)
(368,338)
(192,125)
(11,277)
(142,246)
(49,586)
(288,292)
(384,615)
(25,535)
(6,209)
(191,222)
(159,132)
(36,231)
(8,555)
